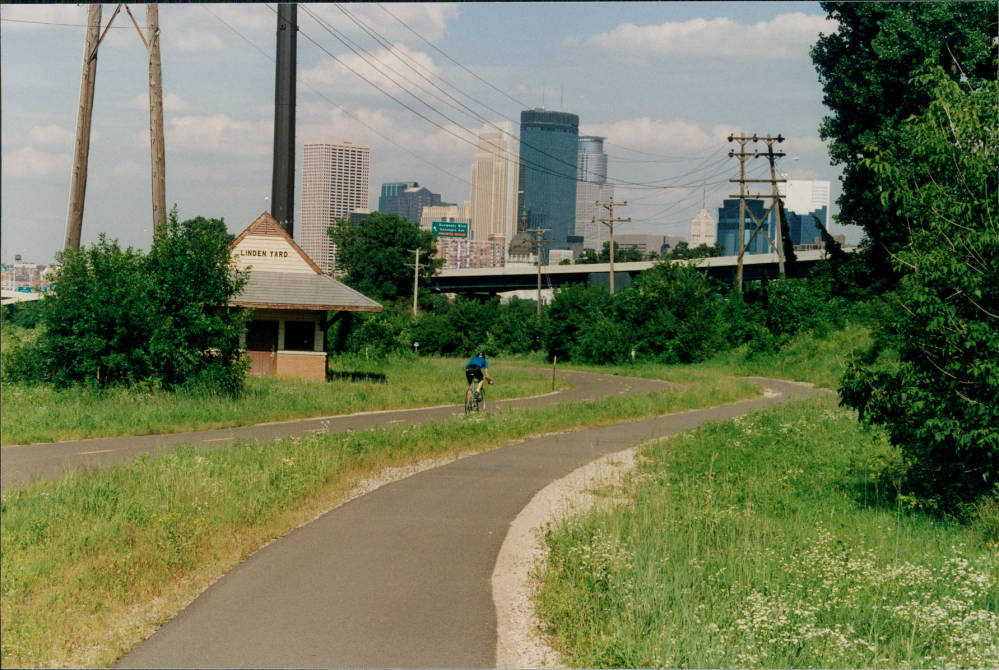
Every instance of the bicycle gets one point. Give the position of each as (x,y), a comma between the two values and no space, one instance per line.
(474,402)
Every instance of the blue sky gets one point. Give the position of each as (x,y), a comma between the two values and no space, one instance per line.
(665,82)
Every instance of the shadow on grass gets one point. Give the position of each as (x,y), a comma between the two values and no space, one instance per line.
(338,375)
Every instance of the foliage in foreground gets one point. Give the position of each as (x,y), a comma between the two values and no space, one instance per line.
(866,65)
(41,413)
(939,401)
(93,562)
(123,317)
(767,542)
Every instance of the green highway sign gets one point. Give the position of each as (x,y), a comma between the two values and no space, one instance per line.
(449,228)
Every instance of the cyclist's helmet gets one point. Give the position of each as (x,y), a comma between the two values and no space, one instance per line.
(481,355)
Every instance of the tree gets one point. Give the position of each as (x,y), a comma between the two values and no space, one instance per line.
(673,314)
(120,317)
(588,257)
(866,69)
(377,255)
(626,255)
(938,400)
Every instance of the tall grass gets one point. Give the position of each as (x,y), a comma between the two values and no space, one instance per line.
(44,414)
(93,562)
(763,542)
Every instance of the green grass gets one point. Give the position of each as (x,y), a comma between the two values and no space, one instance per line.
(40,413)
(764,542)
(820,360)
(93,562)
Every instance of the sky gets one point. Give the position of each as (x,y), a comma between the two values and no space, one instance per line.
(665,82)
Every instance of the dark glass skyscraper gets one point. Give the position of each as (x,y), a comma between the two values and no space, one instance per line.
(407,199)
(549,144)
(728,227)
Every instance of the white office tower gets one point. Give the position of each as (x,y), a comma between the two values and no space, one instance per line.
(805,195)
(806,201)
(495,176)
(335,178)
(592,187)
(703,229)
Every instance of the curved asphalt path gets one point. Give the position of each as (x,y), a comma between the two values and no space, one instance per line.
(24,463)
(400,577)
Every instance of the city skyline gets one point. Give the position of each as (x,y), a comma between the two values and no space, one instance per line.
(654,79)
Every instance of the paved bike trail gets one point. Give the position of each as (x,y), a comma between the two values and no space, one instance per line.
(23,463)
(400,577)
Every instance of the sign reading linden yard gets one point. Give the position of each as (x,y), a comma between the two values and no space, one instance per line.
(449,228)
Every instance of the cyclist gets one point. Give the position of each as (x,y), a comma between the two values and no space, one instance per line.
(474,369)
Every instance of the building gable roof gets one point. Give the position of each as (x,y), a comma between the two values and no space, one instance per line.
(282,276)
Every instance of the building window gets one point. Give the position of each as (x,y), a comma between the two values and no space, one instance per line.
(299,335)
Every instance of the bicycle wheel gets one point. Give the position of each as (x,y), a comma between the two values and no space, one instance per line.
(470,400)
(481,404)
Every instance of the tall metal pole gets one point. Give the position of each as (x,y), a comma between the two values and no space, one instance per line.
(283,176)
(156,142)
(78,185)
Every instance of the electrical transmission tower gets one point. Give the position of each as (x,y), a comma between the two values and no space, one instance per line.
(758,224)
(78,185)
(609,222)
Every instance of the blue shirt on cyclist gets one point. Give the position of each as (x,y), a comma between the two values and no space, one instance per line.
(475,368)
(478,360)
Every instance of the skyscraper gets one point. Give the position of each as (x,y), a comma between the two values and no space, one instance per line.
(549,146)
(494,184)
(728,227)
(806,200)
(335,180)
(702,228)
(407,200)
(592,187)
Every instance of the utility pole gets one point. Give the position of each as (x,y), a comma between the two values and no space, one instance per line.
(742,155)
(538,243)
(609,222)
(416,281)
(78,186)
(157,146)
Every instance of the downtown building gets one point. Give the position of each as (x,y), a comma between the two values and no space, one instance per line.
(728,227)
(407,199)
(335,180)
(592,187)
(495,180)
(806,201)
(549,148)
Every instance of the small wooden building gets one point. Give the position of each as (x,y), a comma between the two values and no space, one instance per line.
(290,297)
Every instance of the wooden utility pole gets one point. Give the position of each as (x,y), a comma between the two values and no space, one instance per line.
(742,155)
(416,281)
(81,156)
(157,145)
(538,243)
(609,222)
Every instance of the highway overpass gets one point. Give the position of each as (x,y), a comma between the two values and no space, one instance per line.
(492,281)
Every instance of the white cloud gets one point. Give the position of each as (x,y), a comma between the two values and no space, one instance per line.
(345,75)
(35,17)
(30,162)
(218,133)
(171,103)
(783,36)
(672,137)
(53,136)
(192,41)
(429,20)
